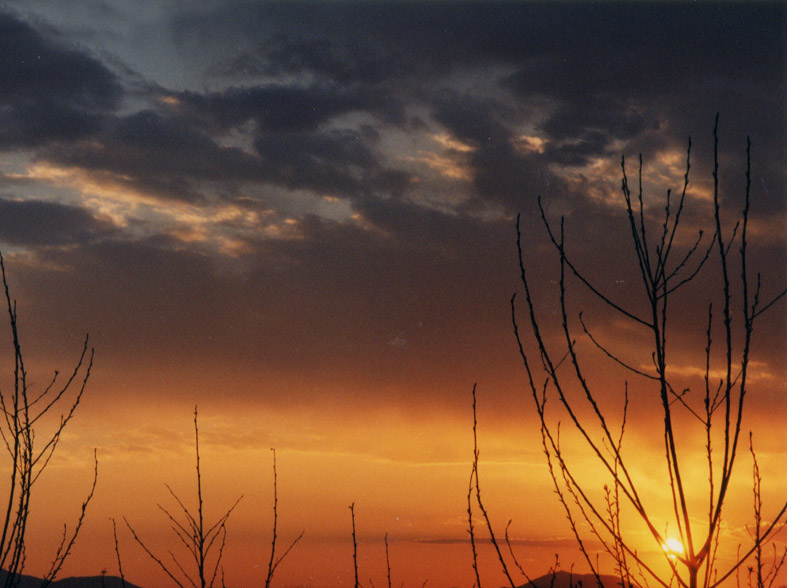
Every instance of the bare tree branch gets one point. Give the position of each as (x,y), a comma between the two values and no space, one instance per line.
(30,456)
(662,270)
(195,535)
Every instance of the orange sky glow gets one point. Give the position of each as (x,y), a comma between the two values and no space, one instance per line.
(300,218)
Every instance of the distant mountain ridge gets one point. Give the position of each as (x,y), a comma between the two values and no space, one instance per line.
(562,579)
(26,581)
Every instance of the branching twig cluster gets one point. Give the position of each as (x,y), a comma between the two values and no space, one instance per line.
(664,268)
(200,540)
(762,575)
(22,412)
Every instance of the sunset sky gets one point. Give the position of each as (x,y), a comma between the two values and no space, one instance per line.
(300,217)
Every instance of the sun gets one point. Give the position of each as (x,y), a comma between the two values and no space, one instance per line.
(672,547)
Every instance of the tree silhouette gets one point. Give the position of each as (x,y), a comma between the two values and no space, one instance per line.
(23,411)
(665,267)
(205,544)
(200,539)
(275,560)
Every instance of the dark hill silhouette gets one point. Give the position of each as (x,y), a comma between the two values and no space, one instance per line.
(561,580)
(564,579)
(93,582)
(77,582)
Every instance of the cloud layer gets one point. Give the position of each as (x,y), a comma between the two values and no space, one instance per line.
(344,172)
(300,216)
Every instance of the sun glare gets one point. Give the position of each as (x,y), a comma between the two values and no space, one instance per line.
(673,547)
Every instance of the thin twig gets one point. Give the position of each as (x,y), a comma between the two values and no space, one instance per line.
(355,547)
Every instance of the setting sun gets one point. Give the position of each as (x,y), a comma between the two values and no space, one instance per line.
(673,547)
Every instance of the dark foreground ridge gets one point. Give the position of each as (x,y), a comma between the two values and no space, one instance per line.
(77,582)
(563,579)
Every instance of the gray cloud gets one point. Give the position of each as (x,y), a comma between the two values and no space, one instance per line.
(35,222)
(48,92)
(333,162)
(303,100)
(158,154)
(600,76)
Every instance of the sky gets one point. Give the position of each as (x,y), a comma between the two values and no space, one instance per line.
(300,217)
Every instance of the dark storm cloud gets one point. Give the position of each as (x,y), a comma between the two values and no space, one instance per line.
(417,228)
(294,150)
(282,108)
(592,77)
(165,155)
(643,75)
(48,92)
(331,161)
(35,222)
(600,74)
(649,75)
(616,47)
(501,173)
(472,120)
(322,98)
(157,153)
(366,43)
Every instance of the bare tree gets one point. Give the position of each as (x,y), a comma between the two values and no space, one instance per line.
(274,561)
(664,267)
(199,539)
(23,411)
